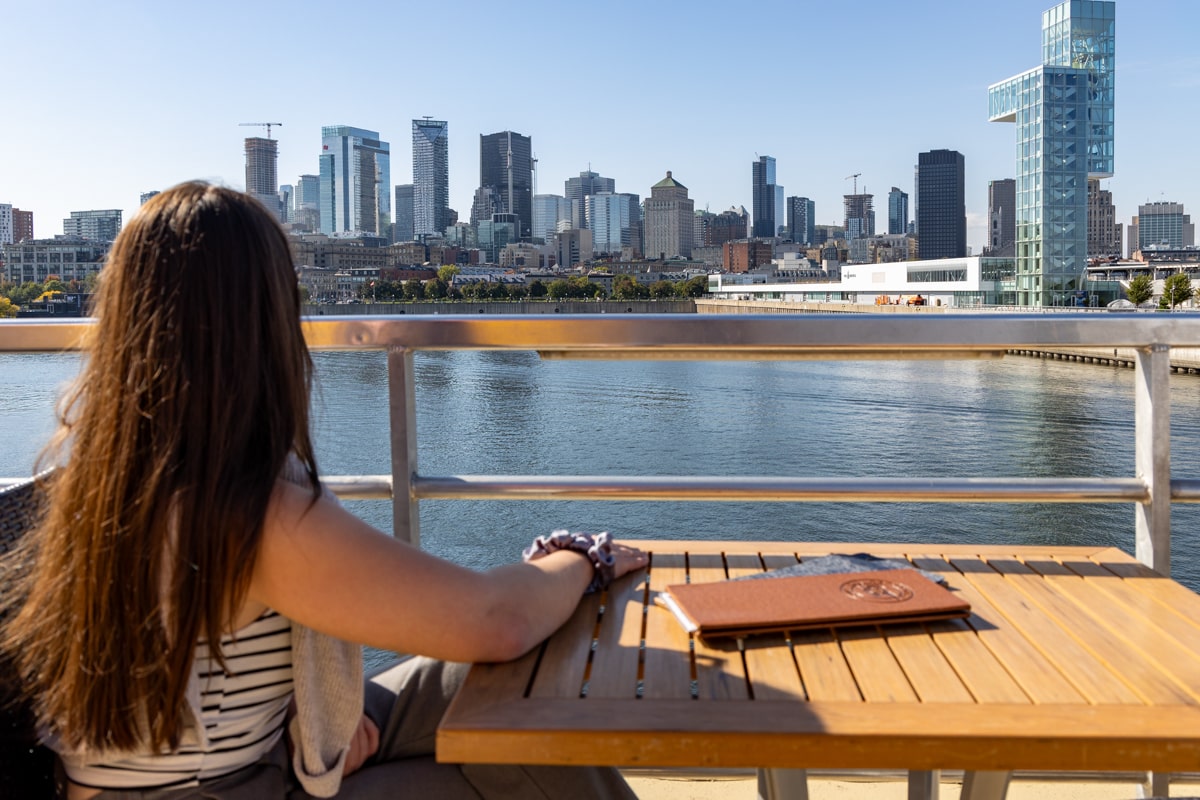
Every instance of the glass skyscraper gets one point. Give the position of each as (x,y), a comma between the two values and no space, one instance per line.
(431,177)
(941,205)
(767,197)
(1063,111)
(897,211)
(356,181)
(506,167)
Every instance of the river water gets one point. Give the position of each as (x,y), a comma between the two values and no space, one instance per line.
(511,413)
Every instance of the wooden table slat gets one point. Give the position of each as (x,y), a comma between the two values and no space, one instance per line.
(564,664)
(614,671)
(667,671)
(720,673)
(876,671)
(927,670)
(770,666)
(1089,675)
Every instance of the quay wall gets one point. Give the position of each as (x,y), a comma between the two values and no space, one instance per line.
(505,307)
(1183,359)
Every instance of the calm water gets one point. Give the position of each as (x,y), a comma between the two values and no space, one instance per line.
(514,414)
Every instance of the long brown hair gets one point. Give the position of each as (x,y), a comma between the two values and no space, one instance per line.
(194,392)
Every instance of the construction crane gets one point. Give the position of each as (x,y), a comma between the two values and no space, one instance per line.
(855,176)
(266,125)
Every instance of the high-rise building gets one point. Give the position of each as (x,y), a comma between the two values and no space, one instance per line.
(431,177)
(1104,232)
(356,183)
(262,175)
(306,204)
(100,226)
(287,202)
(860,215)
(801,219)
(669,222)
(613,220)
(551,213)
(22,225)
(767,197)
(6,223)
(728,226)
(1063,110)
(506,167)
(1163,225)
(897,212)
(146,196)
(941,205)
(1002,218)
(402,228)
(577,189)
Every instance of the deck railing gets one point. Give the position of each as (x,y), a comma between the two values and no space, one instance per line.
(755,337)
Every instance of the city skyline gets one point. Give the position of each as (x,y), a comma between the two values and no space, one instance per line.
(182,116)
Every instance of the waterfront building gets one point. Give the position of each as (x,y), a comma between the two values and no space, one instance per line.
(356,183)
(745,255)
(68,257)
(100,226)
(506,167)
(22,225)
(576,189)
(144,196)
(897,211)
(549,212)
(1063,111)
(431,177)
(941,205)
(402,228)
(669,220)
(1002,218)
(1104,232)
(767,197)
(6,223)
(860,215)
(1162,225)
(801,219)
(262,176)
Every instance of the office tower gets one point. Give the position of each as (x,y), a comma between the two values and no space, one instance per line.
(484,204)
(576,189)
(941,205)
(897,212)
(146,196)
(1162,225)
(670,222)
(402,229)
(767,197)
(1002,218)
(548,211)
(262,176)
(801,218)
(860,215)
(506,167)
(1104,232)
(22,225)
(356,183)
(306,204)
(612,219)
(1063,110)
(287,202)
(101,226)
(431,177)
(6,223)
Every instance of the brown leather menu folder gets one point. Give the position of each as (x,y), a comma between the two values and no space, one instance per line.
(738,608)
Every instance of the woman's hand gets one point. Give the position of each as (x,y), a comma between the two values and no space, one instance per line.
(627,559)
(363,745)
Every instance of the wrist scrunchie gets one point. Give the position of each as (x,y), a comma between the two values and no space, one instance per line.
(597,547)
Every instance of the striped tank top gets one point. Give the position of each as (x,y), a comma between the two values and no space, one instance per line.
(241,711)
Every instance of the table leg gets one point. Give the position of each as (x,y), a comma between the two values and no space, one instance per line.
(924,785)
(1159,784)
(782,784)
(985,785)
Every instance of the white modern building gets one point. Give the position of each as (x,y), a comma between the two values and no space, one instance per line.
(100,226)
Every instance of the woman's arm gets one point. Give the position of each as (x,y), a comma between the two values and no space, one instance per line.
(323,567)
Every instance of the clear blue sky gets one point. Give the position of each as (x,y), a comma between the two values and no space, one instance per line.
(107,100)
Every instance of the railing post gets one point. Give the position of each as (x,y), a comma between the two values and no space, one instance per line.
(402,410)
(1152,413)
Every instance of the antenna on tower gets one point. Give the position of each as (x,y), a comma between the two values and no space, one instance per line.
(533,165)
(266,125)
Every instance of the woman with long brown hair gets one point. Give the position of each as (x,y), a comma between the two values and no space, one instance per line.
(193,591)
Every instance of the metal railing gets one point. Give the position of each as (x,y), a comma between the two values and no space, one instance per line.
(756,337)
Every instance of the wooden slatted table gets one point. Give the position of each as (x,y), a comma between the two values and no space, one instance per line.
(1073,658)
